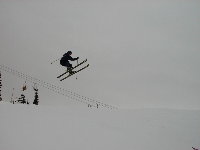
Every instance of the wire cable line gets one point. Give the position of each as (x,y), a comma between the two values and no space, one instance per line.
(67,93)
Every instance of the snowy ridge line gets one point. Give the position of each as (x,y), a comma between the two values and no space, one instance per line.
(57,89)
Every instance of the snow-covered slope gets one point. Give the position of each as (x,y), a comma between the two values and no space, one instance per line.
(74,128)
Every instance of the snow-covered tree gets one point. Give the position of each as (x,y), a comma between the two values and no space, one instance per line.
(0,87)
(36,100)
(22,99)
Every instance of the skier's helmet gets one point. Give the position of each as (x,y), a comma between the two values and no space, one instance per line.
(69,52)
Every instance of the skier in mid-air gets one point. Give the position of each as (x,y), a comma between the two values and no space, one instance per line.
(64,61)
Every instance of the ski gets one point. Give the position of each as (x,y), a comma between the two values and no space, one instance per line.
(74,73)
(72,68)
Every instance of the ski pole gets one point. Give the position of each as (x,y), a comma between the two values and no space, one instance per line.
(55,60)
(76,75)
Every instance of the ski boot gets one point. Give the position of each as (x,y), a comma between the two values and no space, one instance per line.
(69,69)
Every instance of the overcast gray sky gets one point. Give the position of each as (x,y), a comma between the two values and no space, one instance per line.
(141,53)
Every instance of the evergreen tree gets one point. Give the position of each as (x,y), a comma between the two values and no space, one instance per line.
(0,87)
(36,100)
(22,99)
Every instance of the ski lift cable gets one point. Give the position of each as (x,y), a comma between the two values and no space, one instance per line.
(30,79)
(53,86)
(57,89)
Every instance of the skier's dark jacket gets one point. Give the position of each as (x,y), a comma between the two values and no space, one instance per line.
(64,61)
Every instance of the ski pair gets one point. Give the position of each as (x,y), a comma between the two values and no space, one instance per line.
(74,73)
(72,68)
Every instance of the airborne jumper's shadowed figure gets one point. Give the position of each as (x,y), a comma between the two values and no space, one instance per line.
(64,61)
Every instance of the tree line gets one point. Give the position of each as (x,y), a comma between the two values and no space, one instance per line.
(22,98)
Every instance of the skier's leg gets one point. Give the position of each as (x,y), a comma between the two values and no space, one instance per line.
(69,68)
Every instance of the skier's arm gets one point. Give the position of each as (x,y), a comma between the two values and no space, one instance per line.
(73,59)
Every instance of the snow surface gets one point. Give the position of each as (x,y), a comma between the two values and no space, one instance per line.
(28,127)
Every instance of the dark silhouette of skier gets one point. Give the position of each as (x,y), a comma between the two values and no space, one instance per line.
(64,61)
